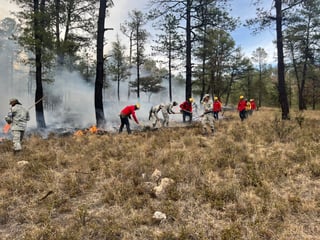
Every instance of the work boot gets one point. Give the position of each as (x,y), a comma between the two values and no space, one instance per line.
(16,152)
(212,132)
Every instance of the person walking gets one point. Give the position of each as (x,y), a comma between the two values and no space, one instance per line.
(125,115)
(18,118)
(253,106)
(217,106)
(207,117)
(242,108)
(186,109)
(248,108)
(166,110)
(153,114)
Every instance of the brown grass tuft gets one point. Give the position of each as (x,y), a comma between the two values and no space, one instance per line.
(257,179)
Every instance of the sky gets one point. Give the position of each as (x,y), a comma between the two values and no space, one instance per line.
(240,8)
(242,36)
(245,38)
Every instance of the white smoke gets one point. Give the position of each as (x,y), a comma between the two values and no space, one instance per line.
(70,102)
(69,99)
(14,77)
(113,107)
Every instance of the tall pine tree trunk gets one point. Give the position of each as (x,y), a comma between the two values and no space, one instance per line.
(188,52)
(283,98)
(118,88)
(138,62)
(260,86)
(98,101)
(170,76)
(38,27)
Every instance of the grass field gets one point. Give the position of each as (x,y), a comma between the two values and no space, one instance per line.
(257,179)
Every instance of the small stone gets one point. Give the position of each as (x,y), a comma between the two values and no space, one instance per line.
(22,163)
(159,216)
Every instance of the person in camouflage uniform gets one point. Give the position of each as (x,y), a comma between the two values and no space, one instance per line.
(17,117)
(153,114)
(166,110)
(207,116)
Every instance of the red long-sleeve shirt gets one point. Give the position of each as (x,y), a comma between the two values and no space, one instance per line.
(130,110)
(253,105)
(217,106)
(242,105)
(186,106)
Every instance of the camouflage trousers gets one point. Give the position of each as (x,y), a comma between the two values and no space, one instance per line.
(17,138)
(207,123)
(155,119)
(165,122)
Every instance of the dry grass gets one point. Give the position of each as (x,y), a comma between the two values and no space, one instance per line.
(258,179)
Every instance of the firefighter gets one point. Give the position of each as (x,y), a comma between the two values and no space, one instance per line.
(242,108)
(207,117)
(253,106)
(153,114)
(166,110)
(186,109)
(248,108)
(125,115)
(18,118)
(217,106)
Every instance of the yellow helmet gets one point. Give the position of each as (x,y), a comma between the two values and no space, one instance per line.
(191,99)
(215,98)
(241,97)
(137,106)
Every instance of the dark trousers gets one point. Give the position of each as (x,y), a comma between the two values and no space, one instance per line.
(185,115)
(216,115)
(242,114)
(124,121)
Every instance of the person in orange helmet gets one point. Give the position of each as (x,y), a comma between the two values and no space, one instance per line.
(253,106)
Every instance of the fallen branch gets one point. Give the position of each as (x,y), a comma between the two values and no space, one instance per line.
(45,196)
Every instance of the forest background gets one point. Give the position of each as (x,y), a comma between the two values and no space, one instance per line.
(186,55)
(256,179)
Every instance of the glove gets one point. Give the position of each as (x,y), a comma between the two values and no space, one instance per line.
(8,119)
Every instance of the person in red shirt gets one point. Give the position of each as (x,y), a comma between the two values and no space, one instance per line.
(253,106)
(242,108)
(186,109)
(217,106)
(125,115)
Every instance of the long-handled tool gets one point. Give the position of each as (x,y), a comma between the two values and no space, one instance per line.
(39,100)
